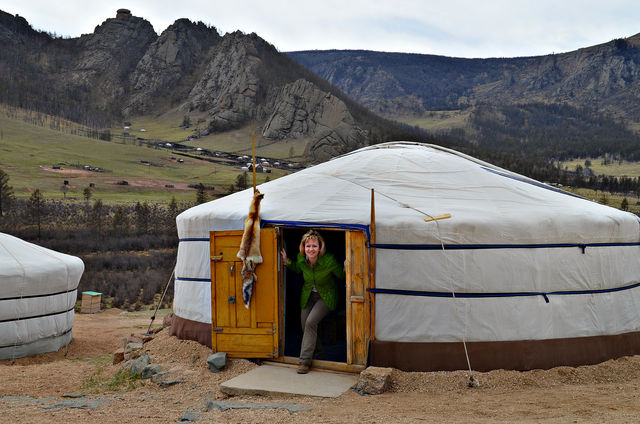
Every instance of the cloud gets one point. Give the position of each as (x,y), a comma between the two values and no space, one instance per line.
(461,28)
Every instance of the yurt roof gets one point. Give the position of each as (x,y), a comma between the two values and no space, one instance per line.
(27,269)
(414,181)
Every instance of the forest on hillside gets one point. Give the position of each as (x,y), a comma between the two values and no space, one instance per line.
(552,131)
(128,250)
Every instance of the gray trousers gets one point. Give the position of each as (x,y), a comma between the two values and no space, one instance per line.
(310,317)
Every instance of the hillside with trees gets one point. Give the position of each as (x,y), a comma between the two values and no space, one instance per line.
(581,103)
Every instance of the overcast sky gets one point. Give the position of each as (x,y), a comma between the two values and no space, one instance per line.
(459,28)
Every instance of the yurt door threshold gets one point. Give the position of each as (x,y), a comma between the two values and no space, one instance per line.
(269,327)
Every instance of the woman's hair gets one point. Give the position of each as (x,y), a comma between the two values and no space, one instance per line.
(312,234)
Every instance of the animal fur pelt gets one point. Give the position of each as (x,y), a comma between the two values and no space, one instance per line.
(249,251)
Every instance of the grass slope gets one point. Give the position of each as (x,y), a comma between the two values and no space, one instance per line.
(28,151)
(168,127)
(438,120)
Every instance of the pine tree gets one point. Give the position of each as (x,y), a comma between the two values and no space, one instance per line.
(96,219)
(624,205)
(36,203)
(201,195)
(242,181)
(6,193)
(172,212)
(142,218)
(120,221)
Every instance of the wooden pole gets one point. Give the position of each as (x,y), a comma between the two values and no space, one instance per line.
(253,144)
(372,269)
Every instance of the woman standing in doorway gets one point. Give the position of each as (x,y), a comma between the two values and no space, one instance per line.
(319,291)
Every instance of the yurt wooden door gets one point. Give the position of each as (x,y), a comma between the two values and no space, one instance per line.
(239,331)
(357,307)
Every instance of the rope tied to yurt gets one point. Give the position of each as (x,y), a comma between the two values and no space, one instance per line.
(473,381)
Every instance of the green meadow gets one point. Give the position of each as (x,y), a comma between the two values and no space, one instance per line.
(438,120)
(168,128)
(600,166)
(29,152)
(606,198)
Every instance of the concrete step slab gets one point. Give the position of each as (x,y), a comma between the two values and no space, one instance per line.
(273,379)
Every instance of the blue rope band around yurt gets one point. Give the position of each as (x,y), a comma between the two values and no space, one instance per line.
(37,316)
(582,246)
(506,294)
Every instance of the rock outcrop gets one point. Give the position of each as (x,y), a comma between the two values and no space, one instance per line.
(229,85)
(302,109)
(108,55)
(169,63)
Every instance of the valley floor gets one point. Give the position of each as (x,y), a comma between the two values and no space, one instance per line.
(62,388)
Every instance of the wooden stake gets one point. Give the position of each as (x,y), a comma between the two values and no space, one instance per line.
(435,218)
(253,144)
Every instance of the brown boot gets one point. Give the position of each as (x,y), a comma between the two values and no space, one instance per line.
(303,368)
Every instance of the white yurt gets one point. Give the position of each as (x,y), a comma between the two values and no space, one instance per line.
(465,264)
(38,291)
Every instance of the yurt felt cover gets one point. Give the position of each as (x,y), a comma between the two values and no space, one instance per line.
(38,291)
(517,260)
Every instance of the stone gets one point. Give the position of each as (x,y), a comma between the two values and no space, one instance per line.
(227,405)
(151,370)
(217,361)
(139,364)
(132,350)
(170,381)
(374,380)
(189,416)
(118,356)
(134,339)
(132,346)
(159,377)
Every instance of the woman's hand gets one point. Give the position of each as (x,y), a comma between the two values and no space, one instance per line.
(284,256)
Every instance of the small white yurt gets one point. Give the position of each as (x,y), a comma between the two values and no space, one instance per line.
(38,291)
(451,262)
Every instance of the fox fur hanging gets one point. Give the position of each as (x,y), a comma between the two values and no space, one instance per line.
(249,251)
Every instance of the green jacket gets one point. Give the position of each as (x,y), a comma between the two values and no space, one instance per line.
(321,275)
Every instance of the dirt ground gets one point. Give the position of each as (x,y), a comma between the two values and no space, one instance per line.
(61,387)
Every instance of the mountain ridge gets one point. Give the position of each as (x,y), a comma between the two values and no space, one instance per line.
(124,69)
(600,73)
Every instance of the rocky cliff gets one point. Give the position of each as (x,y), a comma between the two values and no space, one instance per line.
(169,66)
(106,57)
(302,109)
